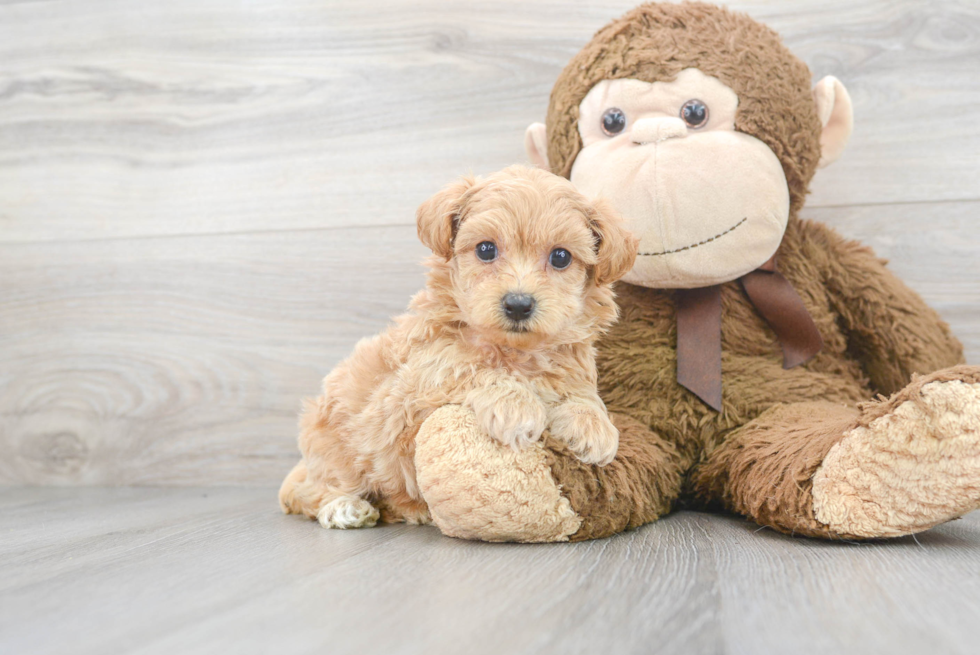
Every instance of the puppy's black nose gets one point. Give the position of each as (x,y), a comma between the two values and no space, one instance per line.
(518,306)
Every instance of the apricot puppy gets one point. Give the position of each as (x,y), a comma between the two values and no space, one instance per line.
(517,292)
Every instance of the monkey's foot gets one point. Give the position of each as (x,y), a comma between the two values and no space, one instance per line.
(912,463)
(478,488)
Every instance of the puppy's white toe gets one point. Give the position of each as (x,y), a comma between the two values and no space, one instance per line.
(348,512)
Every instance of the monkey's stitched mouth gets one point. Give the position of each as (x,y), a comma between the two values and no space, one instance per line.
(694,245)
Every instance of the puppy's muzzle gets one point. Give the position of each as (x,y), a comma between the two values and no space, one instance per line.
(518,307)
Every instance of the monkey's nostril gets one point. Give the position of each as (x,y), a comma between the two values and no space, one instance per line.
(518,306)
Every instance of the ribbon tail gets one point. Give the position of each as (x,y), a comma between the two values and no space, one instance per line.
(782,308)
(699,343)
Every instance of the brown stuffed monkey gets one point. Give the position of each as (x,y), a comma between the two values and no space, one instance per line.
(752,344)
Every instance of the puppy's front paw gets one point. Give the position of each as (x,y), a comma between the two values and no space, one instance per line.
(587,431)
(515,417)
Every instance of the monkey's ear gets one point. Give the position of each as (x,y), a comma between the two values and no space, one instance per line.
(616,246)
(536,145)
(438,217)
(836,117)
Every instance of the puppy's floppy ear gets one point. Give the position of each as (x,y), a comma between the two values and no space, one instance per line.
(438,217)
(616,246)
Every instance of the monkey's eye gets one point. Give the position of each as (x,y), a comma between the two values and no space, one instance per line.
(613,121)
(694,113)
(560,258)
(486,251)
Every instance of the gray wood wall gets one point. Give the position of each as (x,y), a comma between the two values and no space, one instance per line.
(205,203)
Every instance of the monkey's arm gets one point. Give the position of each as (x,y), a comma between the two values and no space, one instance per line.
(890,329)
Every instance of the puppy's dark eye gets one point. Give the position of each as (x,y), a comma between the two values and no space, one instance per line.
(486,251)
(694,113)
(613,121)
(560,258)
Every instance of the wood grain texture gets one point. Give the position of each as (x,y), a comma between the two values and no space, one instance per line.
(220,570)
(189,117)
(203,205)
(184,359)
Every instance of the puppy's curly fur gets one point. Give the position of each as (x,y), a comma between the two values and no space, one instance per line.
(457,345)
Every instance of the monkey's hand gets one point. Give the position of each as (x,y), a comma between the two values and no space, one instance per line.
(584,426)
(509,412)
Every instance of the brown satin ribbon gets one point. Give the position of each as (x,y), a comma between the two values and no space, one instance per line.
(699,343)
(781,307)
(699,329)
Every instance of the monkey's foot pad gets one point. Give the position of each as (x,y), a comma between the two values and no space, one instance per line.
(908,470)
(477,488)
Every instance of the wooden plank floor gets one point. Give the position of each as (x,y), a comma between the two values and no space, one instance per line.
(140,570)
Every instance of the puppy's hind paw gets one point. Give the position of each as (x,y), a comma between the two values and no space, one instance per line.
(348,512)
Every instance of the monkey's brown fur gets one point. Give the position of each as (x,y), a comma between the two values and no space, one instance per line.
(759,454)
(847,291)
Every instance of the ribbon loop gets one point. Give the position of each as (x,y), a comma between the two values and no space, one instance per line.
(782,308)
(699,329)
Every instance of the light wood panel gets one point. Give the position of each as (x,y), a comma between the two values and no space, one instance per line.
(190,117)
(203,205)
(220,570)
(182,360)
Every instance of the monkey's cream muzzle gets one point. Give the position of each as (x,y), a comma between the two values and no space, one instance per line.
(708,204)
(655,130)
